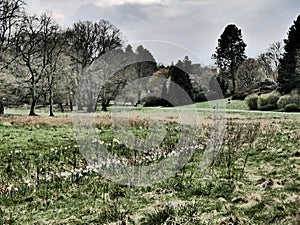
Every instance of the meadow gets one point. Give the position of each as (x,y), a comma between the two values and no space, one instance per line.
(254,178)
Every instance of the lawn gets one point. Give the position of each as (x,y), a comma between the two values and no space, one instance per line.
(233,104)
(254,179)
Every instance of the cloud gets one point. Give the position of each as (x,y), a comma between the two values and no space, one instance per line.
(117,14)
(195,24)
(122,2)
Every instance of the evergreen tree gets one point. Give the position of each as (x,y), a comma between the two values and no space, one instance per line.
(187,65)
(182,79)
(229,55)
(288,77)
(146,66)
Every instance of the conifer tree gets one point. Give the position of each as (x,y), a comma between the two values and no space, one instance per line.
(288,77)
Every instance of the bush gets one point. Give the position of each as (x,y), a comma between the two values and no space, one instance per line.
(155,101)
(283,101)
(251,101)
(268,107)
(262,101)
(292,108)
(273,98)
(268,101)
(291,98)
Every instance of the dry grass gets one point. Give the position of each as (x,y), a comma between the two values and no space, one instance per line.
(134,119)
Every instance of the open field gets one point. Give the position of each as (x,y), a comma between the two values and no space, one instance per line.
(254,179)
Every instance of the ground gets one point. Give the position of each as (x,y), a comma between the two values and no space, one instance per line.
(254,179)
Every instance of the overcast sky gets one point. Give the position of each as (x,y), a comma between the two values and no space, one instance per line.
(194,25)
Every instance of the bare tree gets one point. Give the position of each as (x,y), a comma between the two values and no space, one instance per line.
(37,44)
(51,50)
(248,76)
(270,60)
(10,11)
(275,53)
(88,41)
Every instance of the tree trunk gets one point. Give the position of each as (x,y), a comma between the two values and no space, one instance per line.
(1,108)
(139,97)
(51,102)
(61,107)
(90,108)
(71,105)
(80,107)
(32,107)
(104,104)
(33,102)
(233,84)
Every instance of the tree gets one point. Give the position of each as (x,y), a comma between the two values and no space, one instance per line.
(10,11)
(266,64)
(229,55)
(39,45)
(28,49)
(103,80)
(66,83)
(52,46)
(146,67)
(274,53)
(88,41)
(248,77)
(287,76)
(270,60)
(182,79)
(10,94)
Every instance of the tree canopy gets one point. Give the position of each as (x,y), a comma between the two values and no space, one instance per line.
(288,75)
(229,55)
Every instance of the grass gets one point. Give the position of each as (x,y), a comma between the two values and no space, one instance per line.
(253,180)
(223,103)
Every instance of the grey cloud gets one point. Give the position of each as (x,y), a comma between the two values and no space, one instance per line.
(119,14)
(195,24)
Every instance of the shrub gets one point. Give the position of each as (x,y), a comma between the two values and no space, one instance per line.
(251,101)
(268,101)
(283,101)
(155,101)
(292,108)
(268,107)
(273,98)
(293,97)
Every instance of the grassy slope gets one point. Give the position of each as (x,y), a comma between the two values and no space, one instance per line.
(34,188)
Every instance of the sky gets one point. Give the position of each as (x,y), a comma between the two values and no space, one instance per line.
(171,29)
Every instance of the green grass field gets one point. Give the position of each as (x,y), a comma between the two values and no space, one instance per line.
(254,179)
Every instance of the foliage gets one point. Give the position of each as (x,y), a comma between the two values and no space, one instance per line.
(288,76)
(267,85)
(181,78)
(284,100)
(292,107)
(252,101)
(268,107)
(230,54)
(268,101)
(154,101)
